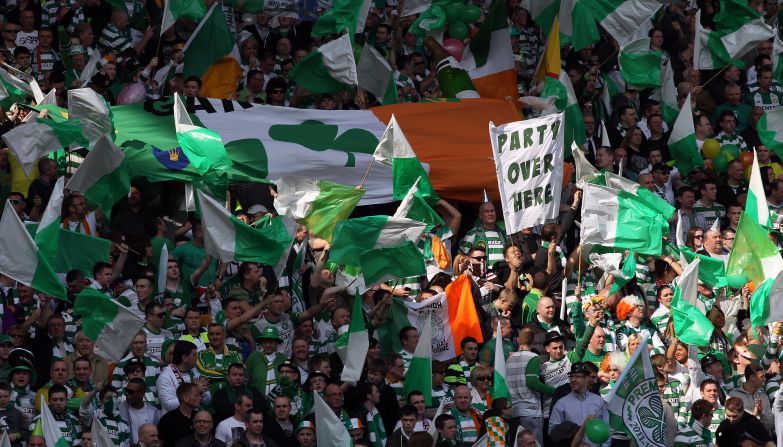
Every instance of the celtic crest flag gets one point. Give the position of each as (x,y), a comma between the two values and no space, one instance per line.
(635,406)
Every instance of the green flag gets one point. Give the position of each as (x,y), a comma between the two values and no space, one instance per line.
(690,323)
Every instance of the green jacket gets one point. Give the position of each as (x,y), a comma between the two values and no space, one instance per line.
(257,368)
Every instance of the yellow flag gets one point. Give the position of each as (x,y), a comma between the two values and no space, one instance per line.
(549,65)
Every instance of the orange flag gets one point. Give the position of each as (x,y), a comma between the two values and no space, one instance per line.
(463,317)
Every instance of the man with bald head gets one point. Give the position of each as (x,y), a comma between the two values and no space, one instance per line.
(713,245)
(487,233)
(148,436)
(646,180)
(543,322)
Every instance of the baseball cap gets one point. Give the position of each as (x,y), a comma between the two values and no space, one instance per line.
(579,368)
(552,336)
(661,167)
(708,360)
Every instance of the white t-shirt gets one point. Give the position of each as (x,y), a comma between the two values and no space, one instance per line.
(230,430)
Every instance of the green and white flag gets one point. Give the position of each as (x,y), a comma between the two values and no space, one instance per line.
(229,239)
(48,428)
(682,141)
(100,436)
(15,81)
(163,268)
(4,441)
(712,271)
(47,236)
(766,304)
(753,254)
(620,18)
(584,171)
(91,67)
(316,204)
(777,63)
(650,198)
(639,65)
(635,405)
(613,84)
(376,76)
(38,138)
(174,10)
(566,102)
(353,237)
(669,106)
(394,150)
(499,383)
(108,323)
(202,146)
(419,375)
(618,219)
(738,30)
(416,208)
(330,68)
(690,323)
(102,177)
(344,16)
(543,12)
(770,130)
(756,204)
(21,260)
(358,343)
(90,107)
(331,432)
(625,274)
(387,263)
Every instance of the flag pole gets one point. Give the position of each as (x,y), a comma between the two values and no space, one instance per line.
(366,173)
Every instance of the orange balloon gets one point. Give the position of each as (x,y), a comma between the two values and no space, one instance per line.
(746,158)
(751,286)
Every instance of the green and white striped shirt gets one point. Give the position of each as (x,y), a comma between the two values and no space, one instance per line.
(492,240)
(736,140)
(114,40)
(708,214)
(693,435)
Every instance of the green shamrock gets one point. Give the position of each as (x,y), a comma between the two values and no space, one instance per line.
(320,137)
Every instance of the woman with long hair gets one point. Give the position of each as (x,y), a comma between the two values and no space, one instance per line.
(695,238)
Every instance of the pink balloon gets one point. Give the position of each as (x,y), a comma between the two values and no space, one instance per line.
(454,48)
(131,94)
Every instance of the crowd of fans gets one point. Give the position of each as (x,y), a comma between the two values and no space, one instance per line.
(230,354)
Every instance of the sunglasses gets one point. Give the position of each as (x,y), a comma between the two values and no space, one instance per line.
(479,258)
(698,236)
(16,202)
(484,378)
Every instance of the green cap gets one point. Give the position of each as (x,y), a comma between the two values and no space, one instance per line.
(270,333)
(5,338)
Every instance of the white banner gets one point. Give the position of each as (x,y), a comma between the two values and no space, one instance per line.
(442,340)
(529,165)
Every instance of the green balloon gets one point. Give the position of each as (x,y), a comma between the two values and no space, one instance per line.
(452,12)
(720,162)
(458,30)
(470,13)
(732,151)
(597,431)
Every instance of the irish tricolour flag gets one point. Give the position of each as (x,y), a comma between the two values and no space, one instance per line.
(108,323)
(499,385)
(21,260)
(489,58)
(229,239)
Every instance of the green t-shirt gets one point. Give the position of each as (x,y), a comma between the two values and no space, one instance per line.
(189,257)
